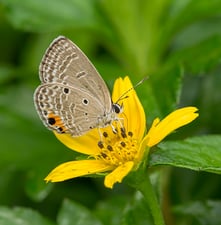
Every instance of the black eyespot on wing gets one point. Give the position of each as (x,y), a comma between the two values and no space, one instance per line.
(51,121)
(85,101)
(61,130)
(66,90)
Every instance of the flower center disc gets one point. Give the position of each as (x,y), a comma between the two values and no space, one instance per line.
(118,148)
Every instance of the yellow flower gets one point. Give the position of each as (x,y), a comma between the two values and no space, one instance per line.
(121,152)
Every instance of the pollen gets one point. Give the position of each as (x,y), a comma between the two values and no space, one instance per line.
(118,148)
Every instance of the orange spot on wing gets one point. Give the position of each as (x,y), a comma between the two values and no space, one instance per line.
(56,121)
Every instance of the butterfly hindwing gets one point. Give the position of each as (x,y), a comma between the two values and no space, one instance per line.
(67,109)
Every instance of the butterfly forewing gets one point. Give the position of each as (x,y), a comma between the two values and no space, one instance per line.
(65,63)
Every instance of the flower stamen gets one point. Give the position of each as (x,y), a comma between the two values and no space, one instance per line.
(115,151)
(130,134)
(105,134)
(100,144)
(123,132)
(123,144)
(109,147)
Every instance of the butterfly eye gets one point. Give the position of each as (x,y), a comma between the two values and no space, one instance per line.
(117,108)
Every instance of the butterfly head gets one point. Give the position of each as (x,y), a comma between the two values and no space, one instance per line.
(116,108)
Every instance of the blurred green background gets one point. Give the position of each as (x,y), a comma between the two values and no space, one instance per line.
(177,44)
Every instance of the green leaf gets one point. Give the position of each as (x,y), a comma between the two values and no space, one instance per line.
(176,19)
(199,58)
(6,73)
(110,211)
(137,212)
(184,13)
(198,153)
(72,212)
(206,212)
(126,28)
(19,215)
(161,92)
(136,28)
(50,15)
(36,187)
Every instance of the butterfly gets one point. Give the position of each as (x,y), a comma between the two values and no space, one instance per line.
(72,97)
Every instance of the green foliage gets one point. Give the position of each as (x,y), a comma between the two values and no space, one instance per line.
(204,212)
(36,16)
(198,153)
(136,213)
(177,44)
(20,215)
(72,212)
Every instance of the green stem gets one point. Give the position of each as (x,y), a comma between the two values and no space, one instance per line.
(146,188)
(141,181)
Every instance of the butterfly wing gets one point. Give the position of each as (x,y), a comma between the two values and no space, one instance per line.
(72,95)
(66,109)
(65,63)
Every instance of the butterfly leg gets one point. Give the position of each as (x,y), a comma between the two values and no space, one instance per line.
(114,130)
(100,134)
(118,123)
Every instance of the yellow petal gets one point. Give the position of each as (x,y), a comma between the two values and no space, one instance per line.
(142,149)
(118,174)
(79,168)
(133,112)
(159,130)
(86,144)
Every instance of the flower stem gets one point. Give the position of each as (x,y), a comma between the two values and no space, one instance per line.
(146,188)
(142,183)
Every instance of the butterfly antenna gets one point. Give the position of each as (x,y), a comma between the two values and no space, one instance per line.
(130,89)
